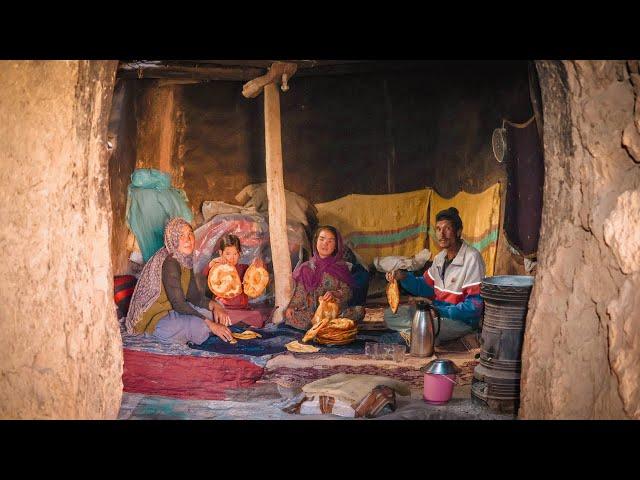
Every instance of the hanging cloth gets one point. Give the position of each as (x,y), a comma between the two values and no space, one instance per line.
(151,202)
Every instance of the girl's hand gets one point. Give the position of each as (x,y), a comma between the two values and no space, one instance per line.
(258,262)
(220,314)
(219,330)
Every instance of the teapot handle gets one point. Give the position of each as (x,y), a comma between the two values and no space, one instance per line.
(432,311)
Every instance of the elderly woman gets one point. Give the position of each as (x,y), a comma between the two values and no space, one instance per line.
(167,302)
(326,275)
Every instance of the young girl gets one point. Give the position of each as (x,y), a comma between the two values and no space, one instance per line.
(236,309)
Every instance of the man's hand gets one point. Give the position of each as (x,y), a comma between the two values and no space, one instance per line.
(220,314)
(219,330)
(396,275)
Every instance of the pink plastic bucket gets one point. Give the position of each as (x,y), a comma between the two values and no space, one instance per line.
(438,388)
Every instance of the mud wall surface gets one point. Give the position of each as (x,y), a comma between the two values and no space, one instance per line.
(372,134)
(582,339)
(122,162)
(61,348)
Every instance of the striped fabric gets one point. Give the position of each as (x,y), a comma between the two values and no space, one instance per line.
(123,287)
(480,214)
(380,225)
(396,224)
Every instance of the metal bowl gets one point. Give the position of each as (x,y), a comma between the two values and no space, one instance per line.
(440,367)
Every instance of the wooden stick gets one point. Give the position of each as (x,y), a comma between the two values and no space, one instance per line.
(277,202)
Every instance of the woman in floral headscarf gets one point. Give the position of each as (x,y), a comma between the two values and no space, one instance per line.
(167,302)
(327,276)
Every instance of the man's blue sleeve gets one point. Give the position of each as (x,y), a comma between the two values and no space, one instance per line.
(417,286)
(468,311)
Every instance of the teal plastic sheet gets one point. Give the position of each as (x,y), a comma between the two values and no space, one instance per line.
(151,202)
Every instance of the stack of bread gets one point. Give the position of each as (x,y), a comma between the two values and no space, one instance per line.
(338,331)
(327,329)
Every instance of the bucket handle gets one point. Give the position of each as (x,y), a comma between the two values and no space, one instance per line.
(451,380)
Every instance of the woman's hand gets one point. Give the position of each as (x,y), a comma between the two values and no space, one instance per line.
(330,296)
(219,330)
(220,314)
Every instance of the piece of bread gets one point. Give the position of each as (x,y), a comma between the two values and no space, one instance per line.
(313,331)
(393,295)
(298,347)
(224,281)
(326,309)
(246,335)
(255,281)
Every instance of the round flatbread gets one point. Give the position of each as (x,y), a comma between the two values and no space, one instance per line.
(224,281)
(255,281)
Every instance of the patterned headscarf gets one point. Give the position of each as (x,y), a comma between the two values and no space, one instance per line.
(149,284)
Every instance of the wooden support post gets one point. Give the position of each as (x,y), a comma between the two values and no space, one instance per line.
(277,202)
(279,72)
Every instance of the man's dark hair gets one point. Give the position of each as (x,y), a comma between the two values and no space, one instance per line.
(450,214)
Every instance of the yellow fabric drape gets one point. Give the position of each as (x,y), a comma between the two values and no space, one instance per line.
(480,214)
(380,225)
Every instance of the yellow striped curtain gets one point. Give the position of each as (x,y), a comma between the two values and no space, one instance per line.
(380,225)
(480,214)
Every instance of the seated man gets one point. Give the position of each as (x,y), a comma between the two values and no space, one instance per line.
(452,281)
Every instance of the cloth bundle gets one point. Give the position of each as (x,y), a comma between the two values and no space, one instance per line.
(394,262)
(349,395)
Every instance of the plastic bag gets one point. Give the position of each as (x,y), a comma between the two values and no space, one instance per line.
(253,232)
(150,204)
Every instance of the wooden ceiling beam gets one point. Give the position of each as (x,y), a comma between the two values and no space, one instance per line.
(198,72)
(191,73)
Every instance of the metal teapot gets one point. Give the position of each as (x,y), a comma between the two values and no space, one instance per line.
(423,330)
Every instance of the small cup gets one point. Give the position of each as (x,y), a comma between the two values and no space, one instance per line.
(379,352)
(371,349)
(388,351)
(399,352)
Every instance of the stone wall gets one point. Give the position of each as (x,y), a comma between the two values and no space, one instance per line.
(582,339)
(61,348)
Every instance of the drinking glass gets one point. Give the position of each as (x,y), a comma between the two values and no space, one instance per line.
(399,352)
(371,349)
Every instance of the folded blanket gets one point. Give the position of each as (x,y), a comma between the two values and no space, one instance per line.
(348,395)
(352,388)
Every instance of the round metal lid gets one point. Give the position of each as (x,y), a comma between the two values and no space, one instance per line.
(499,143)
(520,281)
(440,366)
